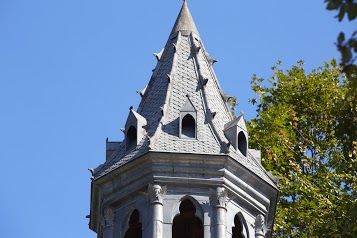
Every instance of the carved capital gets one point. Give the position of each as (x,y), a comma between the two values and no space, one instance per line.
(156,193)
(260,227)
(107,219)
(219,197)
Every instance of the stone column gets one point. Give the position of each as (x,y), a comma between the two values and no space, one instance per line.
(207,231)
(156,194)
(260,227)
(219,199)
(107,222)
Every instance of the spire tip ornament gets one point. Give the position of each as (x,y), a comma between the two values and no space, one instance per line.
(184,22)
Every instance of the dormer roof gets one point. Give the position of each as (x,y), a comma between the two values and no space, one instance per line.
(239,122)
(188,106)
(134,116)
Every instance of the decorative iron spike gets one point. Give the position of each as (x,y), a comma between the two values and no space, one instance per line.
(169,76)
(226,146)
(213,114)
(210,59)
(213,61)
(141,92)
(92,172)
(225,96)
(205,81)
(159,55)
(150,141)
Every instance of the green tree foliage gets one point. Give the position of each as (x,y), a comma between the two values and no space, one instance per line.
(347,47)
(232,103)
(306,127)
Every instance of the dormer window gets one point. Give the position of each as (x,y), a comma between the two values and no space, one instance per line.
(131,138)
(242,143)
(236,133)
(134,130)
(188,129)
(188,116)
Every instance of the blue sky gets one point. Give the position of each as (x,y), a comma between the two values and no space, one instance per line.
(69,70)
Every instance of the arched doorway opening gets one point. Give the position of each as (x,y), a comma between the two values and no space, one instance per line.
(187,225)
(135,226)
(237,230)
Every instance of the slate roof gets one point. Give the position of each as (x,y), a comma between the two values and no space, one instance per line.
(184,71)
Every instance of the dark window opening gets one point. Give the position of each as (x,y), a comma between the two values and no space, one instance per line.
(135,226)
(188,129)
(187,225)
(131,138)
(237,230)
(242,143)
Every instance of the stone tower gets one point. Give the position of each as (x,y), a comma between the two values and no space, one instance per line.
(184,169)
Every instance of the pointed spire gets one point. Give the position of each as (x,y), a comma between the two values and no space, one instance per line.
(184,22)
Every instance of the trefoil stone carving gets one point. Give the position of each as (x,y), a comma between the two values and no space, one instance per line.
(156,193)
(107,218)
(260,227)
(219,197)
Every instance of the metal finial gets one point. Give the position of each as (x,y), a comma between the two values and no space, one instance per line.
(92,172)
(131,108)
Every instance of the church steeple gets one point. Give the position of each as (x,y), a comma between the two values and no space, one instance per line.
(183,156)
(184,21)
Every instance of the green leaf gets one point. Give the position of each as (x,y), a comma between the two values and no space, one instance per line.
(333,4)
(352,11)
(346,54)
(341,38)
(333,63)
(353,44)
(342,12)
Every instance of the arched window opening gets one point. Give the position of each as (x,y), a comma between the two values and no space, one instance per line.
(188,129)
(187,225)
(131,138)
(242,143)
(237,230)
(135,226)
